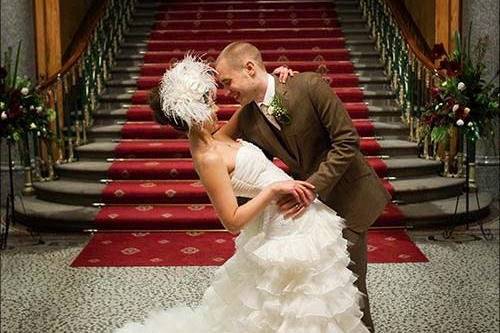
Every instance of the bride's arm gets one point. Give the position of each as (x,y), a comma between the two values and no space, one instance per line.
(215,178)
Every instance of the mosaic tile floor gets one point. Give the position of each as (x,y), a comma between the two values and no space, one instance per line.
(457,291)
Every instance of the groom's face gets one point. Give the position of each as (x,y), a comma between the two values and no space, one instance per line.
(238,81)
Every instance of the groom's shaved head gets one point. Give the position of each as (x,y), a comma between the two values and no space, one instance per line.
(237,54)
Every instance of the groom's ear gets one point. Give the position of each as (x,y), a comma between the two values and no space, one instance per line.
(250,68)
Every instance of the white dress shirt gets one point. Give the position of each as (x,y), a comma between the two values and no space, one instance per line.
(268,97)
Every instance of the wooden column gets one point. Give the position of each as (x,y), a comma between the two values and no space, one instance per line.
(447,22)
(49,55)
(48,37)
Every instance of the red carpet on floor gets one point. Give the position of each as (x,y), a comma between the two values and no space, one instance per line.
(213,249)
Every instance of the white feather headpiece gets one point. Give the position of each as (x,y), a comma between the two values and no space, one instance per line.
(183,87)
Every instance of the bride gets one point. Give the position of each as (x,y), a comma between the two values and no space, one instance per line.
(289,272)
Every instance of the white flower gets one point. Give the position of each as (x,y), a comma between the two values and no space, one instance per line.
(471,124)
(461,86)
(443,84)
(25,91)
(466,111)
(4,115)
(38,133)
(2,105)
(436,108)
(460,122)
(455,107)
(32,126)
(39,109)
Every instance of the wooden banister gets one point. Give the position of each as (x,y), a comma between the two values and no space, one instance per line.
(80,41)
(411,33)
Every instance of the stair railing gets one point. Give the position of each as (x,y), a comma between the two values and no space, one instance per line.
(73,91)
(407,62)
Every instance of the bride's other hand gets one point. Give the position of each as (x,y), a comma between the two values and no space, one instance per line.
(283,73)
(294,196)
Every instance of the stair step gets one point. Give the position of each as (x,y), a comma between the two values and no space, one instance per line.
(426,188)
(131,84)
(442,212)
(237,14)
(268,55)
(301,66)
(151,130)
(234,33)
(279,4)
(218,23)
(112,115)
(171,148)
(90,169)
(46,215)
(71,191)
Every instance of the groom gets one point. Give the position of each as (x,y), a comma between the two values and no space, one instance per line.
(303,123)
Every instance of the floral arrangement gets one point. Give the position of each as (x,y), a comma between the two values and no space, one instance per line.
(463,99)
(21,109)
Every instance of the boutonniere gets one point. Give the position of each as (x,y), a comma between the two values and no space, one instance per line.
(279,112)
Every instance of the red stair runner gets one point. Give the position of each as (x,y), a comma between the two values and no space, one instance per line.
(155,186)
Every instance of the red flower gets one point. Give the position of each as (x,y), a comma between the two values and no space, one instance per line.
(435,92)
(438,51)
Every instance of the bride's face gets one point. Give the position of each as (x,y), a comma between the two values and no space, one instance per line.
(212,125)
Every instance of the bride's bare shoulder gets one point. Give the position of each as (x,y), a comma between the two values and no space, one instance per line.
(208,158)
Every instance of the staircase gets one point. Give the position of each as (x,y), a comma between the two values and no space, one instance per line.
(137,175)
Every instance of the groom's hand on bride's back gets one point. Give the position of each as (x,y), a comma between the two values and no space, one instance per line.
(283,72)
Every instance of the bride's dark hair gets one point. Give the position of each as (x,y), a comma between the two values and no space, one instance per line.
(159,116)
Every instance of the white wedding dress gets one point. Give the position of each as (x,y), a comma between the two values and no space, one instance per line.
(286,276)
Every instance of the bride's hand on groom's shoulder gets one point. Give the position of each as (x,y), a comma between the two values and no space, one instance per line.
(293,196)
(283,72)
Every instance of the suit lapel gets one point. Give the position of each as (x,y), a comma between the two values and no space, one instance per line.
(268,138)
(288,131)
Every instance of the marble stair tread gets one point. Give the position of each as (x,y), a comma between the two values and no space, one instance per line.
(346,31)
(153,4)
(365,65)
(69,186)
(41,214)
(124,95)
(425,183)
(67,216)
(380,128)
(97,147)
(70,191)
(139,23)
(121,113)
(393,143)
(131,83)
(85,167)
(141,46)
(411,162)
(439,211)
(95,170)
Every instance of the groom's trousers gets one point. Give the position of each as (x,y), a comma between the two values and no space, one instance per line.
(358,253)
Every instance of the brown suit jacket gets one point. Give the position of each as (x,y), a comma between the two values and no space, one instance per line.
(320,145)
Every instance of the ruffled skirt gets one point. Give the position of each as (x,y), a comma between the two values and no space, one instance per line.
(297,283)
